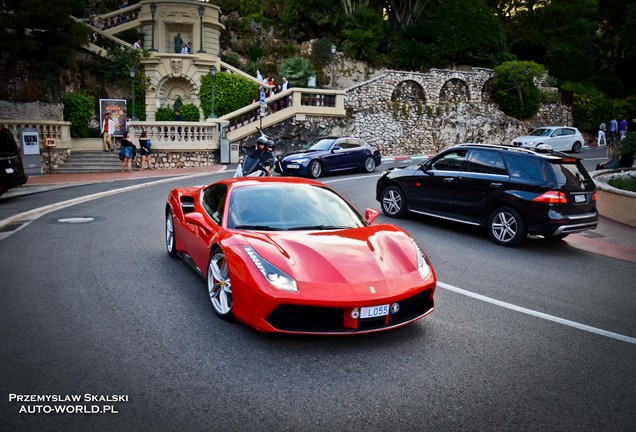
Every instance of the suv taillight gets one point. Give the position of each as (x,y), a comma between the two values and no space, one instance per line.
(594,194)
(552,197)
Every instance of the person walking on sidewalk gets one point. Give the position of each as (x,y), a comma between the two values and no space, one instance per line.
(601,134)
(144,150)
(126,153)
(108,127)
(613,130)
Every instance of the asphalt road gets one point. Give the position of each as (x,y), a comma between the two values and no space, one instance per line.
(99,308)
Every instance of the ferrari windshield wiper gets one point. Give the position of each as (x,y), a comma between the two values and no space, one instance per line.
(317,227)
(257,227)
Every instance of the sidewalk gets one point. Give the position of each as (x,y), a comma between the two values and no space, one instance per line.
(610,238)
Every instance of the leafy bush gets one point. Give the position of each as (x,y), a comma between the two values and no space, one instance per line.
(624,183)
(321,52)
(78,109)
(164,114)
(589,105)
(231,92)
(297,70)
(363,34)
(514,89)
(190,112)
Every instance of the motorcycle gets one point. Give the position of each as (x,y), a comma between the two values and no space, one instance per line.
(249,166)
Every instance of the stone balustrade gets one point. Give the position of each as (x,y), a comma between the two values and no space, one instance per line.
(177,136)
(58,130)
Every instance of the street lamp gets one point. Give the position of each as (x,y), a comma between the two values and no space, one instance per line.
(132,79)
(201,12)
(333,65)
(153,10)
(213,74)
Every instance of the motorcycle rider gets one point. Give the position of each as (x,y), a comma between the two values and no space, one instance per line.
(268,159)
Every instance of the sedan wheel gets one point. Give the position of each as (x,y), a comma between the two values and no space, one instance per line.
(315,169)
(369,165)
(393,202)
(219,286)
(576,148)
(170,237)
(506,227)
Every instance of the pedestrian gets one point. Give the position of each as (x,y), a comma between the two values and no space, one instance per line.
(601,134)
(285,84)
(126,153)
(107,130)
(177,115)
(259,77)
(144,150)
(612,158)
(613,130)
(137,44)
(622,128)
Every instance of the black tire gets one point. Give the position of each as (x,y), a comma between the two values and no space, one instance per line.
(314,169)
(393,202)
(171,239)
(576,147)
(369,165)
(506,227)
(219,286)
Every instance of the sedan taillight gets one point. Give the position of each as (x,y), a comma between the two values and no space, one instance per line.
(552,197)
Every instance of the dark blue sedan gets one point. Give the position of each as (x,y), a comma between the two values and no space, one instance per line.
(331,154)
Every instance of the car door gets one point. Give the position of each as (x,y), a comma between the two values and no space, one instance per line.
(560,140)
(335,158)
(433,189)
(484,181)
(356,153)
(213,203)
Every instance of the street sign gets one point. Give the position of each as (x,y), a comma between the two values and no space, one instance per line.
(262,97)
(263,112)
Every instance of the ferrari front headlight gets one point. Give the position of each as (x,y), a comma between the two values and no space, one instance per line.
(271,273)
(422,265)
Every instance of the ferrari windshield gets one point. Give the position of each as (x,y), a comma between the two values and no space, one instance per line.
(275,207)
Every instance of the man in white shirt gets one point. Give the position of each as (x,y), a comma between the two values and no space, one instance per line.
(107,129)
(285,84)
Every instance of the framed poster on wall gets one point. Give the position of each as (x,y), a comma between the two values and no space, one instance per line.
(30,141)
(117,110)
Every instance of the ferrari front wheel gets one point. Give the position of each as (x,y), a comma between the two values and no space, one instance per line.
(219,286)
(170,237)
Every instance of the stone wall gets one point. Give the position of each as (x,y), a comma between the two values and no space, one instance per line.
(418,113)
(31,111)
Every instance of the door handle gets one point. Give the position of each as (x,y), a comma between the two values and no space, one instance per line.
(496,185)
(449,179)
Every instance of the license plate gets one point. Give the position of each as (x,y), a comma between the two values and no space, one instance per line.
(9,170)
(374,311)
(579,198)
(293,166)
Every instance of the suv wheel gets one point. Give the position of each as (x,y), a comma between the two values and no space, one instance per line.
(506,227)
(393,202)
(576,147)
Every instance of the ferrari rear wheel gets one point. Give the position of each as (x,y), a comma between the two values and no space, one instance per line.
(219,286)
(315,169)
(170,237)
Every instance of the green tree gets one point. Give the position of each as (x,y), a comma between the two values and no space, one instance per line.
(231,92)
(297,70)
(468,32)
(78,109)
(363,34)
(514,88)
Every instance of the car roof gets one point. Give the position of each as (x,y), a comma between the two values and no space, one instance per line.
(550,154)
(247,181)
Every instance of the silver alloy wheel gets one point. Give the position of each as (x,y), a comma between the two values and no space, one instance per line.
(170,243)
(219,286)
(315,169)
(576,148)
(504,227)
(369,165)
(392,202)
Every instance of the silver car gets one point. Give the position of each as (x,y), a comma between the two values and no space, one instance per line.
(561,138)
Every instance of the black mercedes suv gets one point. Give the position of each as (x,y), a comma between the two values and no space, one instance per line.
(510,191)
(11,168)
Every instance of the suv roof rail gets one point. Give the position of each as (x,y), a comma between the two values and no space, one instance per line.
(512,148)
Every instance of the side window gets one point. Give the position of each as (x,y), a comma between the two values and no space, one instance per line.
(453,161)
(354,143)
(486,161)
(567,131)
(214,202)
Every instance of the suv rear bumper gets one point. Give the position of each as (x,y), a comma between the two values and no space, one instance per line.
(574,228)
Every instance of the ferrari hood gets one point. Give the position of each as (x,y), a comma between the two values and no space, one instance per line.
(351,256)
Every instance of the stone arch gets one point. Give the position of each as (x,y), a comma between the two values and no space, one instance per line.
(408,92)
(454,90)
(486,91)
(170,88)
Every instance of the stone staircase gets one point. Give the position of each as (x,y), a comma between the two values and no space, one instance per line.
(90,161)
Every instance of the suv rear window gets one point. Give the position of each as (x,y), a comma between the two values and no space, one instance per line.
(570,172)
(8,147)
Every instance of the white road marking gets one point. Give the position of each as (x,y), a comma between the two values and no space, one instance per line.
(537,314)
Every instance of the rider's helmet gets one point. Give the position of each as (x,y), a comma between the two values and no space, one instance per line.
(270,144)
(262,140)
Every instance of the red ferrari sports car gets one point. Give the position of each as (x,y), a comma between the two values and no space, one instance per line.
(290,255)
